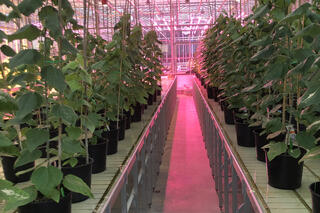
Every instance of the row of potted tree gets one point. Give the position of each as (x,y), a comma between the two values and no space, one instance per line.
(66,101)
(264,72)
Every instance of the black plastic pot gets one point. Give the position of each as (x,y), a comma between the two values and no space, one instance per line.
(98,152)
(128,121)
(150,99)
(228,114)
(48,206)
(284,171)
(215,93)
(136,117)
(155,96)
(122,130)
(260,141)
(159,91)
(83,171)
(244,134)
(315,194)
(210,92)
(10,172)
(113,138)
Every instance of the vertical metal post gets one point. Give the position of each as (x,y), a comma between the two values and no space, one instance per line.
(124,196)
(226,181)
(234,189)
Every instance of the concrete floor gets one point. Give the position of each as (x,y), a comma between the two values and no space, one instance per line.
(185,184)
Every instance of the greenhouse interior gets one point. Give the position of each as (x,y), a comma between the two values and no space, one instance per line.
(160,106)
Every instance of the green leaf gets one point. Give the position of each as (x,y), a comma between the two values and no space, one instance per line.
(50,19)
(71,146)
(263,54)
(276,149)
(74,81)
(28,56)
(29,32)
(27,157)
(66,46)
(27,103)
(65,113)
(296,14)
(35,138)
(73,132)
(2,36)
(306,140)
(54,78)
(312,154)
(310,97)
(9,151)
(303,67)
(76,184)
(46,179)
(29,195)
(295,152)
(4,141)
(7,103)
(28,7)
(8,51)
(261,11)
(312,30)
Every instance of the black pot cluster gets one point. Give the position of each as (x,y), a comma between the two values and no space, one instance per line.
(284,172)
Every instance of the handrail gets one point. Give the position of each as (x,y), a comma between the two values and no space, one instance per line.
(128,165)
(256,199)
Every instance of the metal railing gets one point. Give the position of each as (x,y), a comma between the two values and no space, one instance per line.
(232,182)
(132,191)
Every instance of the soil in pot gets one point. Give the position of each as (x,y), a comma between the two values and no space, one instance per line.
(136,117)
(315,194)
(83,171)
(98,152)
(284,171)
(10,172)
(48,206)
(112,137)
(244,134)
(210,92)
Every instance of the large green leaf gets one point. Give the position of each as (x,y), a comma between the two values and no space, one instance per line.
(29,31)
(54,78)
(27,103)
(261,11)
(312,30)
(27,157)
(312,154)
(71,146)
(10,151)
(28,56)
(50,19)
(306,140)
(74,81)
(36,137)
(303,67)
(27,7)
(296,14)
(4,141)
(263,54)
(46,179)
(13,196)
(276,149)
(65,113)
(73,132)
(76,184)
(26,196)
(2,36)
(8,51)
(7,103)
(310,97)
(66,46)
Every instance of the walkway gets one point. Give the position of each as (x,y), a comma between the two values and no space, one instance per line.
(185,184)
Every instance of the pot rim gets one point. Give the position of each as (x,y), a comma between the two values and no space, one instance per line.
(312,191)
